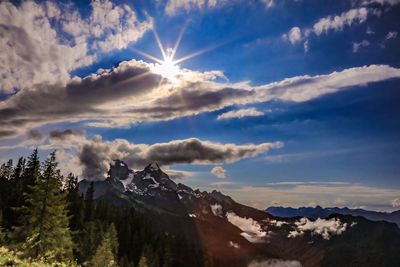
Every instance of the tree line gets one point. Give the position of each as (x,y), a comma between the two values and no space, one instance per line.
(44,216)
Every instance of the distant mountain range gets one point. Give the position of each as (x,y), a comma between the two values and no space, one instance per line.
(238,235)
(319,212)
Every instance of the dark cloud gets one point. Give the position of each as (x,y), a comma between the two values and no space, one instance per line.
(131,93)
(81,99)
(34,135)
(66,134)
(96,155)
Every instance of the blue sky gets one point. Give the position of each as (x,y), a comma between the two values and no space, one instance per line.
(326,135)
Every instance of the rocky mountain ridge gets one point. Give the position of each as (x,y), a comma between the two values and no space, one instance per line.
(237,235)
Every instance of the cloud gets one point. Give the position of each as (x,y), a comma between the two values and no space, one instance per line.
(219,172)
(355,195)
(66,134)
(241,113)
(34,134)
(337,23)
(95,154)
(216,209)
(357,46)
(291,183)
(275,263)
(391,35)
(269,3)
(252,230)
(396,203)
(330,23)
(174,6)
(34,50)
(382,2)
(323,227)
(277,223)
(293,36)
(94,100)
(178,175)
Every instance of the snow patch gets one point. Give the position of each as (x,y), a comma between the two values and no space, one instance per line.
(217,210)
(127,181)
(148,177)
(233,244)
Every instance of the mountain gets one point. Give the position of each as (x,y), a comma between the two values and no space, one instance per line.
(237,235)
(319,212)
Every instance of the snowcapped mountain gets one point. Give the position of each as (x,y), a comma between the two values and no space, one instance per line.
(237,235)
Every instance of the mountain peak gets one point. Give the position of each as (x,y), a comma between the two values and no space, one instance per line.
(152,167)
(119,170)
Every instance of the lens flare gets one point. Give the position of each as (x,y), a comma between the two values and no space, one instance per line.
(167,69)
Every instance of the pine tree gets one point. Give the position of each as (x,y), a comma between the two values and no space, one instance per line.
(75,214)
(6,170)
(106,253)
(143,262)
(89,204)
(45,228)
(19,169)
(32,169)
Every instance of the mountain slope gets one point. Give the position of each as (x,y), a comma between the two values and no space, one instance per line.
(235,234)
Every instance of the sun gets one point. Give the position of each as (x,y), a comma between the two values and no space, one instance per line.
(167,69)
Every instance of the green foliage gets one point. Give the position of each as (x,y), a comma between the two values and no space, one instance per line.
(106,253)
(143,262)
(47,218)
(45,228)
(13,258)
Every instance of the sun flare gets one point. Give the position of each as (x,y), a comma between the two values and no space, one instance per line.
(167,69)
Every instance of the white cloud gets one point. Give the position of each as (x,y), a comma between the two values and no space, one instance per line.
(337,23)
(34,51)
(329,23)
(357,46)
(292,183)
(294,35)
(275,263)
(174,6)
(306,46)
(382,2)
(252,230)
(323,227)
(241,113)
(216,209)
(219,172)
(391,35)
(396,203)
(277,223)
(355,195)
(269,3)
(141,97)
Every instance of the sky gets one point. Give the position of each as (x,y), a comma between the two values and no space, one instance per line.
(273,102)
